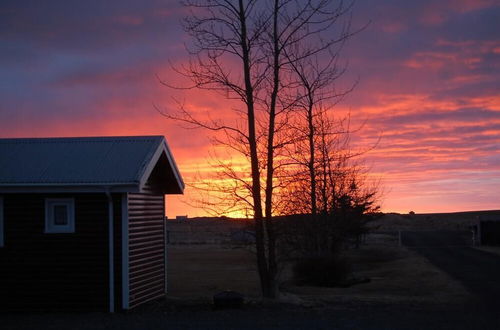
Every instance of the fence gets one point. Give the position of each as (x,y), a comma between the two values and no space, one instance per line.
(208,231)
(240,232)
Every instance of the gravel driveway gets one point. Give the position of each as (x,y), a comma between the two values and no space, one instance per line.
(452,252)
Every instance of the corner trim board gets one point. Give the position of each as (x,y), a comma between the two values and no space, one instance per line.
(125,254)
(165,246)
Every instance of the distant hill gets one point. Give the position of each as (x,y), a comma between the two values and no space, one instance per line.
(431,221)
(219,229)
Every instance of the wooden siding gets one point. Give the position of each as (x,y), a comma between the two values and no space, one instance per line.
(42,271)
(146,214)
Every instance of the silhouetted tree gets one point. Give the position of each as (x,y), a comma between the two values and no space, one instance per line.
(241,49)
(316,94)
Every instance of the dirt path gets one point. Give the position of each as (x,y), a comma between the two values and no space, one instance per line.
(477,270)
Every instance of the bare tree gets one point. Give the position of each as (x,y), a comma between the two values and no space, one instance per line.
(337,164)
(240,48)
(316,70)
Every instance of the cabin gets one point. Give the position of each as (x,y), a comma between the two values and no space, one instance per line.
(82,222)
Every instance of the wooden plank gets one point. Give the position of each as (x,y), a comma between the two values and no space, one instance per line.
(146,246)
(141,239)
(146,270)
(141,244)
(144,233)
(147,298)
(145,285)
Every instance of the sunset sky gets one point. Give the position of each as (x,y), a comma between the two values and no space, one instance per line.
(429,86)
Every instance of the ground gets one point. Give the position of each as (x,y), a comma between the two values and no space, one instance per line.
(397,275)
(424,279)
(478,271)
(199,271)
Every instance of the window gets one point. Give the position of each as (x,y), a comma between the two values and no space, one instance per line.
(1,222)
(59,215)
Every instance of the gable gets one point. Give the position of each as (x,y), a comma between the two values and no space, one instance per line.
(85,164)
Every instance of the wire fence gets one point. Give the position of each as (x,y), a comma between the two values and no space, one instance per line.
(199,232)
(209,232)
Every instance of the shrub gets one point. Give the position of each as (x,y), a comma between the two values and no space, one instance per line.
(321,271)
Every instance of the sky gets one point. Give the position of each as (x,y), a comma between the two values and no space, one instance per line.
(428,72)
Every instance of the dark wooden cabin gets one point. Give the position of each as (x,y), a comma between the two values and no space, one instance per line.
(82,222)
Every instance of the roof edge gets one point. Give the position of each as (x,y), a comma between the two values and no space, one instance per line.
(153,160)
(79,138)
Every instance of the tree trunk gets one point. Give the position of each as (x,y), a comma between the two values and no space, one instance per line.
(271,234)
(312,148)
(254,161)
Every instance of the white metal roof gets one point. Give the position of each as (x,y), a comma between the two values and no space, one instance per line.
(119,163)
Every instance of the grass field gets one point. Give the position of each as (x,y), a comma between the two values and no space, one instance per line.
(197,272)
(203,261)
(405,291)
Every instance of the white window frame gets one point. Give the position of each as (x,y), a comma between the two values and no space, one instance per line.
(50,226)
(1,223)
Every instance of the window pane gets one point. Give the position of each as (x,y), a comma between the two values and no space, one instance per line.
(60,215)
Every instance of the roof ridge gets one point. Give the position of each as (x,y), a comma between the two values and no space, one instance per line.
(81,139)
(148,158)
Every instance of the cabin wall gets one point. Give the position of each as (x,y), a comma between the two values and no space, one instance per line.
(146,216)
(42,271)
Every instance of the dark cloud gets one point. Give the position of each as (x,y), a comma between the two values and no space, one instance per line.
(85,25)
(476,25)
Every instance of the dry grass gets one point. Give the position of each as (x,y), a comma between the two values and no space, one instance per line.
(397,275)
(197,272)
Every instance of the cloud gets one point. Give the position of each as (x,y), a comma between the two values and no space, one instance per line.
(429,74)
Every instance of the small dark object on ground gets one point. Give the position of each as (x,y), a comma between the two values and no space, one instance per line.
(228,299)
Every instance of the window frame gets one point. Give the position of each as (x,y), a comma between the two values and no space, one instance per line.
(50,226)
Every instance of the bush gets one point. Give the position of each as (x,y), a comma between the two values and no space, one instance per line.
(321,271)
